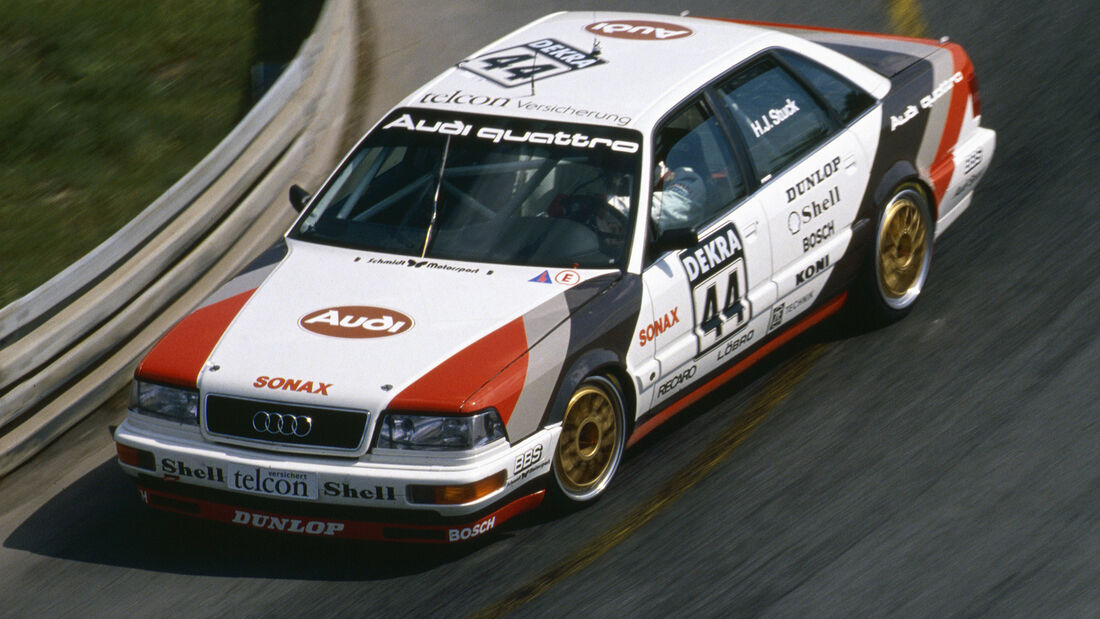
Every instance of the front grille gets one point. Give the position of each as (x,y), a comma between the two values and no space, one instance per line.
(285,425)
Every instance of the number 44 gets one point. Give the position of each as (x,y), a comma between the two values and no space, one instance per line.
(524,71)
(714,316)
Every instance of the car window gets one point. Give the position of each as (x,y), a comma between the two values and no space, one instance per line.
(846,99)
(484,189)
(778,118)
(695,175)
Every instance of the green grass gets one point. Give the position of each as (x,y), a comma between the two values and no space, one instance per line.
(103,105)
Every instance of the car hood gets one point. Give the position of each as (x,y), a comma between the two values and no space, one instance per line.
(342,328)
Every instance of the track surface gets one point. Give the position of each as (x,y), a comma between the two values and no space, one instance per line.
(949,464)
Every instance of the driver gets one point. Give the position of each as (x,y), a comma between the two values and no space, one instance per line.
(678,197)
(679,191)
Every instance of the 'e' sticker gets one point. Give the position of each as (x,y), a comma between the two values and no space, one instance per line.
(567,277)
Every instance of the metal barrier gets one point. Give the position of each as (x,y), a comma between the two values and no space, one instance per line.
(69,345)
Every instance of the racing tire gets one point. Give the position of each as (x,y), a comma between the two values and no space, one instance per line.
(591,443)
(900,257)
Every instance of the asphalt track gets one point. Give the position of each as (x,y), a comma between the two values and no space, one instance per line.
(947,465)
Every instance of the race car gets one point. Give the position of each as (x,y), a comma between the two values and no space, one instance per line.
(542,254)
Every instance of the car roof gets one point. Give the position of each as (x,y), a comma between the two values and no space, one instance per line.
(607,68)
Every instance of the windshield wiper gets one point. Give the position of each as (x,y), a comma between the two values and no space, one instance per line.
(435,198)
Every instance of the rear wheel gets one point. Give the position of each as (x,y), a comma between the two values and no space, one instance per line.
(592,441)
(901,256)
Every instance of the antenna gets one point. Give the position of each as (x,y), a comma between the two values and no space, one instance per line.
(534,57)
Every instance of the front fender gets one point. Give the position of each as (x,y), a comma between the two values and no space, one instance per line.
(590,362)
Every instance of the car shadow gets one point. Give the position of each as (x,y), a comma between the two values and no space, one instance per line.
(100,519)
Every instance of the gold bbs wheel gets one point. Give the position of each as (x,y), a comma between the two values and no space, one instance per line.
(903,251)
(592,440)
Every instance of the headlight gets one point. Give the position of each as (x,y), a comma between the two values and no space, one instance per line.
(439,433)
(171,403)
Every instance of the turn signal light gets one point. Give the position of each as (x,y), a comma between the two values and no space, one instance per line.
(135,457)
(127,454)
(457,495)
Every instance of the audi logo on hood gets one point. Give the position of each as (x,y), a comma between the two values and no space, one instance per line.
(356,321)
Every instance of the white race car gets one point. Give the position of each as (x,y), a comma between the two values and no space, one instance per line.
(544,253)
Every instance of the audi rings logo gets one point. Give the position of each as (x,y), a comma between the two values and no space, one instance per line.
(282,424)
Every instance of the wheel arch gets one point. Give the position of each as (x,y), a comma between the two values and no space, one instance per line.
(601,362)
(899,174)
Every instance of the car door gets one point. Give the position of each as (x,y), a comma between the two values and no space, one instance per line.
(710,300)
(813,174)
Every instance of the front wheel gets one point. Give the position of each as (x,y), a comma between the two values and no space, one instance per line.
(901,256)
(592,441)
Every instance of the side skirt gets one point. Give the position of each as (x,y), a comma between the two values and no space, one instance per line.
(691,397)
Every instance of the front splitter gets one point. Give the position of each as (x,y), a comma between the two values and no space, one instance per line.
(320,526)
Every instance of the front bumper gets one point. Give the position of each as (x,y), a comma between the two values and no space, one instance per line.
(368,498)
(324,521)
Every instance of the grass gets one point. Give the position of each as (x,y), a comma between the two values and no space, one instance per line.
(103,105)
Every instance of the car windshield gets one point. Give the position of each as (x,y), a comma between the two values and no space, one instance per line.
(485,189)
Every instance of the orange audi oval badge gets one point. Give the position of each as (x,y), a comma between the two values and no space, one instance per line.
(639,30)
(356,321)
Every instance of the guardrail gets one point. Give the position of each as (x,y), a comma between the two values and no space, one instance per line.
(69,345)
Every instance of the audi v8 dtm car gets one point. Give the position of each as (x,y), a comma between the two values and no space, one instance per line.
(542,254)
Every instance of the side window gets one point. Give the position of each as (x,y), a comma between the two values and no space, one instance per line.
(695,176)
(847,99)
(777,116)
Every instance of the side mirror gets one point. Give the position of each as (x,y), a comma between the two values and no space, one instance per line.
(299,198)
(676,238)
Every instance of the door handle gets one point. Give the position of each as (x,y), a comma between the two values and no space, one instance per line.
(750,228)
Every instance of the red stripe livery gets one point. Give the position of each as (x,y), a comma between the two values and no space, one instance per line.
(177,359)
(448,387)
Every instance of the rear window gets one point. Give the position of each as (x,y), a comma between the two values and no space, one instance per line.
(847,100)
